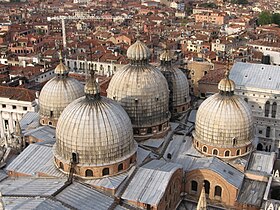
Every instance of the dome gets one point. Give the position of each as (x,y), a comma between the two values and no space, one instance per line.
(224,124)
(98,131)
(138,51)
(226,85)
(143,92)
(61,69)
(178,85)
(165,56)
(56,94)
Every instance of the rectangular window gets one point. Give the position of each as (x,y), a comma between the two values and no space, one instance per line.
(24,108)
(14,106)
(3,105)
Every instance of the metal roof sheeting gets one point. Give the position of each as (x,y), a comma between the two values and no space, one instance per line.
(150,182)
(44,133)
(3,175)
(256,75)
(252,192)
(14,203)
(229,173)
(108,182)
(83,197)
(31,159)
(29,120)
(261,162)
(30,186)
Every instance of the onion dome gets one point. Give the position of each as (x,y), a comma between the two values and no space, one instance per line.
(61,69)
(226,85)
(143,92)
(95,134)
(57,93)
(224,124)
(165,56)
(179,98)
(138,51)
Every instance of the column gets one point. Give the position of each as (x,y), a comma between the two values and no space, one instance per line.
(1,126)
(11,127)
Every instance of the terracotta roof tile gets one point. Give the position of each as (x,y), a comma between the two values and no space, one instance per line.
(16,93)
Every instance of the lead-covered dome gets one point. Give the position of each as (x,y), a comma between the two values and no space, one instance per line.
(179,98)
(143,92)
(138,51)
(98,132)
(224,124)
(57,93)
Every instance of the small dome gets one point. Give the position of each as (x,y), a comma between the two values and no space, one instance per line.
(61,69)
(226,84)
(179,97)
(138,51)
(56,95)
(224,121)
(165,56)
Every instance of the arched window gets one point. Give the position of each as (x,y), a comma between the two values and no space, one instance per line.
(50,123)
(61,165)
(194,186)
(75,157)
(207,186)
(120,167)
(89,173)
(169,156)
(227,153)
(274,109)
(238,152)
(105,171)
(215,152)
(266,109)
(259,147)
(218,191)
(197,144)
(204,149)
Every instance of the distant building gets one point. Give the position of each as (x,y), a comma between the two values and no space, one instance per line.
(258,85)
(14,103)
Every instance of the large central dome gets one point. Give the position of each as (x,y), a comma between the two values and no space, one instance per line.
(224,124)
(97,132)
(143,92)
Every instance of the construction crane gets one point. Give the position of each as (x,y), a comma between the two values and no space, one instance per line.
(81,17)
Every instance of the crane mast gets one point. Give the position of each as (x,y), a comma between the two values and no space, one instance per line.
(80,17)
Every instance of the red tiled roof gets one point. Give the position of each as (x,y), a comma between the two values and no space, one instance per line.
(16,93)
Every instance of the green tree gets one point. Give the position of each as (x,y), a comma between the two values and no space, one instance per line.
(276,18)
(265,18)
